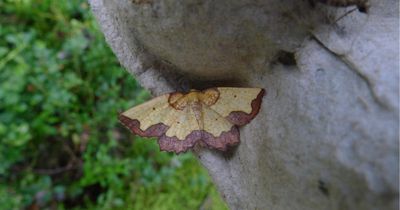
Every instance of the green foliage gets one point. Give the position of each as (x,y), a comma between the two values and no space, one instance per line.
(61,146)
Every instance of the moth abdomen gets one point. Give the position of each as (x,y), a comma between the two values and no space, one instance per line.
(362,5)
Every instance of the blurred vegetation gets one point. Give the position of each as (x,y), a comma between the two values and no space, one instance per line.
(61,146)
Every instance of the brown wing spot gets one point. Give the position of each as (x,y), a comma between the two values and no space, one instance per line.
(177,101)
(154,108)
(209,96)
(173,97)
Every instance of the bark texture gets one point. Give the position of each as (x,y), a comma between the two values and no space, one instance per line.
(327,133)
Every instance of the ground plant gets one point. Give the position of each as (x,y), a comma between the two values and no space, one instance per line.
(61,147)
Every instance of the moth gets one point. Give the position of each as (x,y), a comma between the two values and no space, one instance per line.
(362,5)
(181,120)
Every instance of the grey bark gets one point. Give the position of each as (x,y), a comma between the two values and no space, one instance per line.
(327,133)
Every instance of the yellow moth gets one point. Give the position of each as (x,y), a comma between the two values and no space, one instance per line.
(182,120)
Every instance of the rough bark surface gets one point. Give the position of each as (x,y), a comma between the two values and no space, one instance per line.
(327,134)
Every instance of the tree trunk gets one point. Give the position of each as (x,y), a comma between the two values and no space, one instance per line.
(327,133)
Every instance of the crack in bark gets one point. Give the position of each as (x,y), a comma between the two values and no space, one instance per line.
(354,68)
